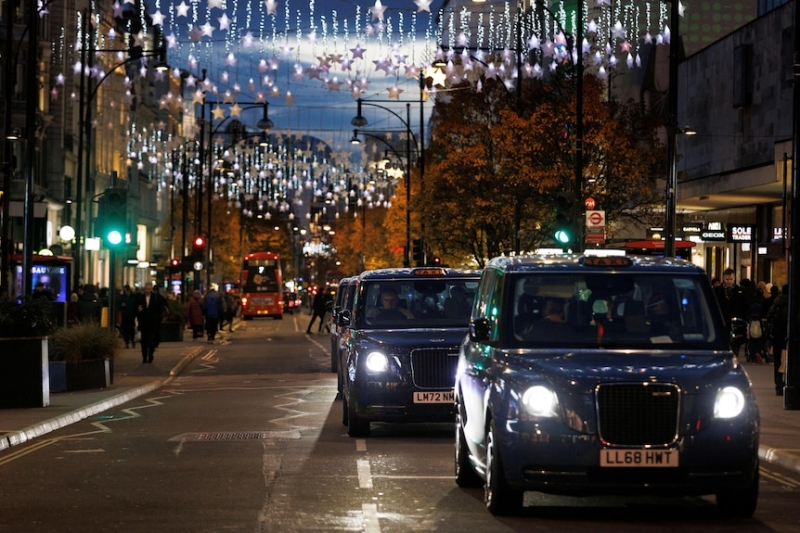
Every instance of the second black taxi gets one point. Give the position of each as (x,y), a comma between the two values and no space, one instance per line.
(400,355)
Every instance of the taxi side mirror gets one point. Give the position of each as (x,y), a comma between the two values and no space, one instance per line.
(479,329)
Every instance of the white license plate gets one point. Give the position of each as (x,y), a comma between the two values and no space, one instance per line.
(639,458)
(434,397)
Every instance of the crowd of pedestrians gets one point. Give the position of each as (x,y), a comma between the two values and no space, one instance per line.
(762,309)
(140,312)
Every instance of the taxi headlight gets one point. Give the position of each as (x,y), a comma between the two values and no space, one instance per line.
(540,401)
(729,403)
(377,362)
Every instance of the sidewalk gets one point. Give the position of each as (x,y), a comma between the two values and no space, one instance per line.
(131,380)
(780,429)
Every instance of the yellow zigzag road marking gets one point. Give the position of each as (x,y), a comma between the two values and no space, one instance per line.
(780,478)
(100,425)
(208,364)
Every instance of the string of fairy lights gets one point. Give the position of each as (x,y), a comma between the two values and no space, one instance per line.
(293,52)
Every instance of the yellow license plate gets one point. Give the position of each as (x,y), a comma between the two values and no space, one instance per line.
(434,397)
(642,458)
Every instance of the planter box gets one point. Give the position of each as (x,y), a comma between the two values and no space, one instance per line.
(58,376)
(171,331)
(92,374)
(25,379)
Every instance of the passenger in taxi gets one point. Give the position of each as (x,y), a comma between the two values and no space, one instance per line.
(457,305)
(553,310)
(659,316)
(390,310)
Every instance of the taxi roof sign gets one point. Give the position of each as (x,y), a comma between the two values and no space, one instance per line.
(428,271)
(606,261)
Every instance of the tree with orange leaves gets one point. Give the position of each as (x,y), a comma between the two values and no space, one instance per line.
(495,165)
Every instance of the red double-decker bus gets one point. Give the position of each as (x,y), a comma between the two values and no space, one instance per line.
(262,284)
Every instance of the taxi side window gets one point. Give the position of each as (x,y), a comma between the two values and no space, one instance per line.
(486,299)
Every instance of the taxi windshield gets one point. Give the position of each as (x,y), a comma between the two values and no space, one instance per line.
(613,310)
(416,303)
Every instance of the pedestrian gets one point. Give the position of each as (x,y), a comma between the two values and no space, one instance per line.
(212,310)
(318,308)
(72,308)
(40,291)
(756,340)
(90,308)
(126,309)
(330,296)
(731,298)
(774,291)
(194,309)
(228,310)
(777,327)
(150,307)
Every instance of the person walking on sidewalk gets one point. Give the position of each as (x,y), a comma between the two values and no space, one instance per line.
(127,316)
(228,311)
(318,308)
(732,301)
(194,309)
(150,311)
(212,309)
(777,326)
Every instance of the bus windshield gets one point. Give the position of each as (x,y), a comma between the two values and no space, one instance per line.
(260,275)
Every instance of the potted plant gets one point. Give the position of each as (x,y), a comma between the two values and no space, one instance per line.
(86,353)
(24,329)
(174,322)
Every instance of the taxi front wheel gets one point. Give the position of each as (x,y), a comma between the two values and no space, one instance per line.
(500,498)
(356,427)
(739,503)
(465,475)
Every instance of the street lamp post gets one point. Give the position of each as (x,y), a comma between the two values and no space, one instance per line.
(791,390)
(8,89)
(31,106)
(84,130)
(264,124)
(670,218)
(406,172)
(359,121)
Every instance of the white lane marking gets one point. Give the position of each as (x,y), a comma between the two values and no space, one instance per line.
(387,476)
(98,450)
(371,524)
(364,476)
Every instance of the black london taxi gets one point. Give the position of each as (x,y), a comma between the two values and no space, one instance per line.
(344,300)
(590,375)
(399,357)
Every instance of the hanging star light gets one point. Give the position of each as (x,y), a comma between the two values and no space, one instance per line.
(378,10)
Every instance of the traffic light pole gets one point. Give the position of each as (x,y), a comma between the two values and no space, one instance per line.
(112,291)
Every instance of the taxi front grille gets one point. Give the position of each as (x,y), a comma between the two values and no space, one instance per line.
(434,368)
(638,414)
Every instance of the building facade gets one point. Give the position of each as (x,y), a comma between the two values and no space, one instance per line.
(101,121)
(736,95)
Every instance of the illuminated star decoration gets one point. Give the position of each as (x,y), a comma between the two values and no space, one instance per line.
(377,10)
(423,5)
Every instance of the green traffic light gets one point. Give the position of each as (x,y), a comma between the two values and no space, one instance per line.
(114,237)
(562,236)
